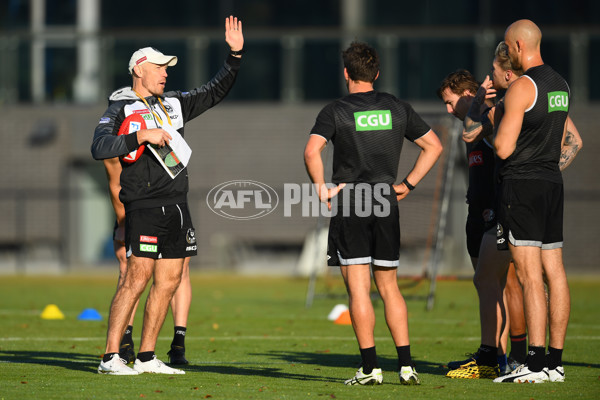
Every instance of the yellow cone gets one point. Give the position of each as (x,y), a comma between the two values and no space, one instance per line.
(52,312)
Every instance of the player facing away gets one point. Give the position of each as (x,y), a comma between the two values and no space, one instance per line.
(367,129)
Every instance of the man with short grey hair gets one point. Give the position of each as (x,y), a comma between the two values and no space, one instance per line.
(138,125)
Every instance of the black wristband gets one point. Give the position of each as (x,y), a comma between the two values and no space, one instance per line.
(237,52)
(408,185)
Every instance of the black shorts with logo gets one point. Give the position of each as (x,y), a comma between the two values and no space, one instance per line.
(362,237)
(161,232)
(531,213)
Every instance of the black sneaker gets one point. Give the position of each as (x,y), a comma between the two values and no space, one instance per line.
(127,352)
(457,364)
(177,355)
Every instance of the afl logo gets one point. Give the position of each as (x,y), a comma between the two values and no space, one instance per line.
(242,199)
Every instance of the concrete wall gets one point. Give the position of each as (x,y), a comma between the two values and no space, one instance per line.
(54,195)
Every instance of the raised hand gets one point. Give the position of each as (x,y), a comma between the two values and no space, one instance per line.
(233,33)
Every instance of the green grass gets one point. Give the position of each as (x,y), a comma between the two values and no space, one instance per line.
(252,338)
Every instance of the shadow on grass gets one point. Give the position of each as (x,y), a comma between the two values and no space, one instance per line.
(74,361)
(267,372)
(328,359)
(580,364)
(321,361)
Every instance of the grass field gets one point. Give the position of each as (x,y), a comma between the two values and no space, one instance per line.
(252,338)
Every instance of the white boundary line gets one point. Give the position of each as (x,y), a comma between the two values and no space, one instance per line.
(259,337)
(196,363)
(438,321)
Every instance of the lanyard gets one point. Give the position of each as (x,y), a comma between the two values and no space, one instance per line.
(152,110)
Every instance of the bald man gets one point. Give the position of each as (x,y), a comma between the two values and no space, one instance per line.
(529,141)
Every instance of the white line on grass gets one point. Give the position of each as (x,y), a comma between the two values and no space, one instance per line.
(437,321)
(216,338)
(265,337)
(58,362)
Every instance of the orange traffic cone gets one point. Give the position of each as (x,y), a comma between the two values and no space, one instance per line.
(336,311)
(344,318)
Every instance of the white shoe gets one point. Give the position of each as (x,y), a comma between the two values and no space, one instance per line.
(556,375)
(523,375)
(155,366)
(408,376)
(116,366)
(374,378)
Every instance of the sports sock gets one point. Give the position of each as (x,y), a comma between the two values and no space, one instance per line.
(518,347)
(145,356)
(536,359)
(127,336)
(404,358)
(179,336)
(554,358)
(502,361)
(107,357)
(487,355)
(369,359)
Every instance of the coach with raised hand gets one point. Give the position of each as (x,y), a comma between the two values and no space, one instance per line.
(158,230)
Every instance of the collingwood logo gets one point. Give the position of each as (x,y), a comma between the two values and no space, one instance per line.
(190,238)
(499,234)
(168,107)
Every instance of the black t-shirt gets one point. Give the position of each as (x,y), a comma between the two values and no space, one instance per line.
(537,153)
(367,130)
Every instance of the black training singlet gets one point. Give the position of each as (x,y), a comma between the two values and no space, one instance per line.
(368,130)
(537,153)
(480,193)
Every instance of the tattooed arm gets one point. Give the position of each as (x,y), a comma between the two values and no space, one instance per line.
(572,143)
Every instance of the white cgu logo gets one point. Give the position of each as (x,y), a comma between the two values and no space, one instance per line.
(373,120)
(559,101)
(242,199)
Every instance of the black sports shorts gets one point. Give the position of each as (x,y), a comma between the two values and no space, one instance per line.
(475,227)
(161,232)
(359,236)
(531,213)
